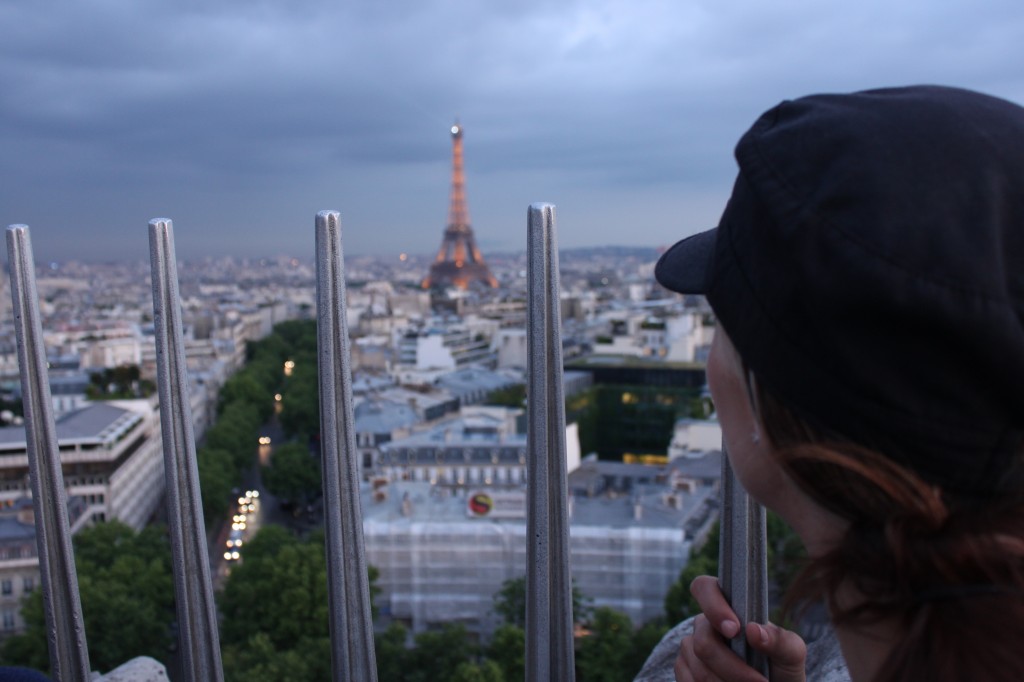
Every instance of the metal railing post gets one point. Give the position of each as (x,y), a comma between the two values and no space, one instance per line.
(352,647)
(193,590)
(742,562)
(549,616)
(65,628)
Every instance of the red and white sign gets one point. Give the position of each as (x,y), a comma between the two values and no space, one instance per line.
(494,504)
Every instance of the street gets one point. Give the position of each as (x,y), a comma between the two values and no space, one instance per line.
(268,510)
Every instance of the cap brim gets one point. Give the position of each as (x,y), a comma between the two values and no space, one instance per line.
(684,268)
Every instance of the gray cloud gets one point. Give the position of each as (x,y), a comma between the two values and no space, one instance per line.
(242,119)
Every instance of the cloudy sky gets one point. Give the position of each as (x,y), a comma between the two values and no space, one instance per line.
(241,119)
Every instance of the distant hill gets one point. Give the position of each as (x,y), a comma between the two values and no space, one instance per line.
(638,252)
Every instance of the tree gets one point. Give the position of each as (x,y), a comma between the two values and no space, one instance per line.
(123,381)
(510,396)
(127,595)
(279,588)
(236,431)
(786,553)
(231,432)
(644,641)
(786,556)
(300,402)
(297,334)
(392,654)
(293,474)
(508,650)
(217,477)
(260,661)
(510,602)
(679,603)
(484,671)
(605,654)
(243,387)
(279,591)
(438,654)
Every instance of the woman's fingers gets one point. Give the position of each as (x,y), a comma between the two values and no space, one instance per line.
(785,649)
(705,657)
(708,594)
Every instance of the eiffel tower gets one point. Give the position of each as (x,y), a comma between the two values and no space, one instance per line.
(459,262)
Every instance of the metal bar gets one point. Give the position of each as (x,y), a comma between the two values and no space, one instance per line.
(65,628)
(742,562)
(199,642)
(549,617)
(352,649)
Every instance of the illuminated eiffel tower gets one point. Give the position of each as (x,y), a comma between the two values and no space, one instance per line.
(459,262)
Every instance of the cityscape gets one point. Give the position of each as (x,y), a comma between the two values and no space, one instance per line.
(240,121)
(439,361)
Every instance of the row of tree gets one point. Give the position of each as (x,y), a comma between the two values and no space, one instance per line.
(123,381)
(275,626)
(274,604)
(274,610)
(127,593)
(245,403)
(125,578)
(295,472)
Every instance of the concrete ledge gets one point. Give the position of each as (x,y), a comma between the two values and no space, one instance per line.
(141,669)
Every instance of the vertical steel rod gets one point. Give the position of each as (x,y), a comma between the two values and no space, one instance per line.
(352,650)
(199,642)
(549,617)
(742,561)
(65,629)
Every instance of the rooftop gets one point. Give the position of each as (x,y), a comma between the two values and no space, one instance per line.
(376,415)
(95,424)
(413,502)
(470,379)
(630,361)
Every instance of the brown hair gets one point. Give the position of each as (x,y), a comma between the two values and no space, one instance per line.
(949,571)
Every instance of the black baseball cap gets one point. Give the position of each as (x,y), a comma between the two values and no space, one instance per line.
(869,269)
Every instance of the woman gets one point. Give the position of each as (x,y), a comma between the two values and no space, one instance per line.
(868,373)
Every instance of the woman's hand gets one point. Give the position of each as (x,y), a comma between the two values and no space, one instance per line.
(704,656)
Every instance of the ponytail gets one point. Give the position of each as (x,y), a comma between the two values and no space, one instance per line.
(948,571)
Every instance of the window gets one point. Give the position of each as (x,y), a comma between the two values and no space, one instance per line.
(6,587)
(29,583)
(8,617)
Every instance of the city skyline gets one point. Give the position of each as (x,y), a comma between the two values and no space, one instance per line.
(240,122)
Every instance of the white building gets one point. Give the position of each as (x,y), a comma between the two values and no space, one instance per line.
(99,344)
(19,563)
(445,522)
(443,553)
(19,557)
(444,348)
(694,437)
(688,337)
(111,454)
(510,345)
(482,447)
